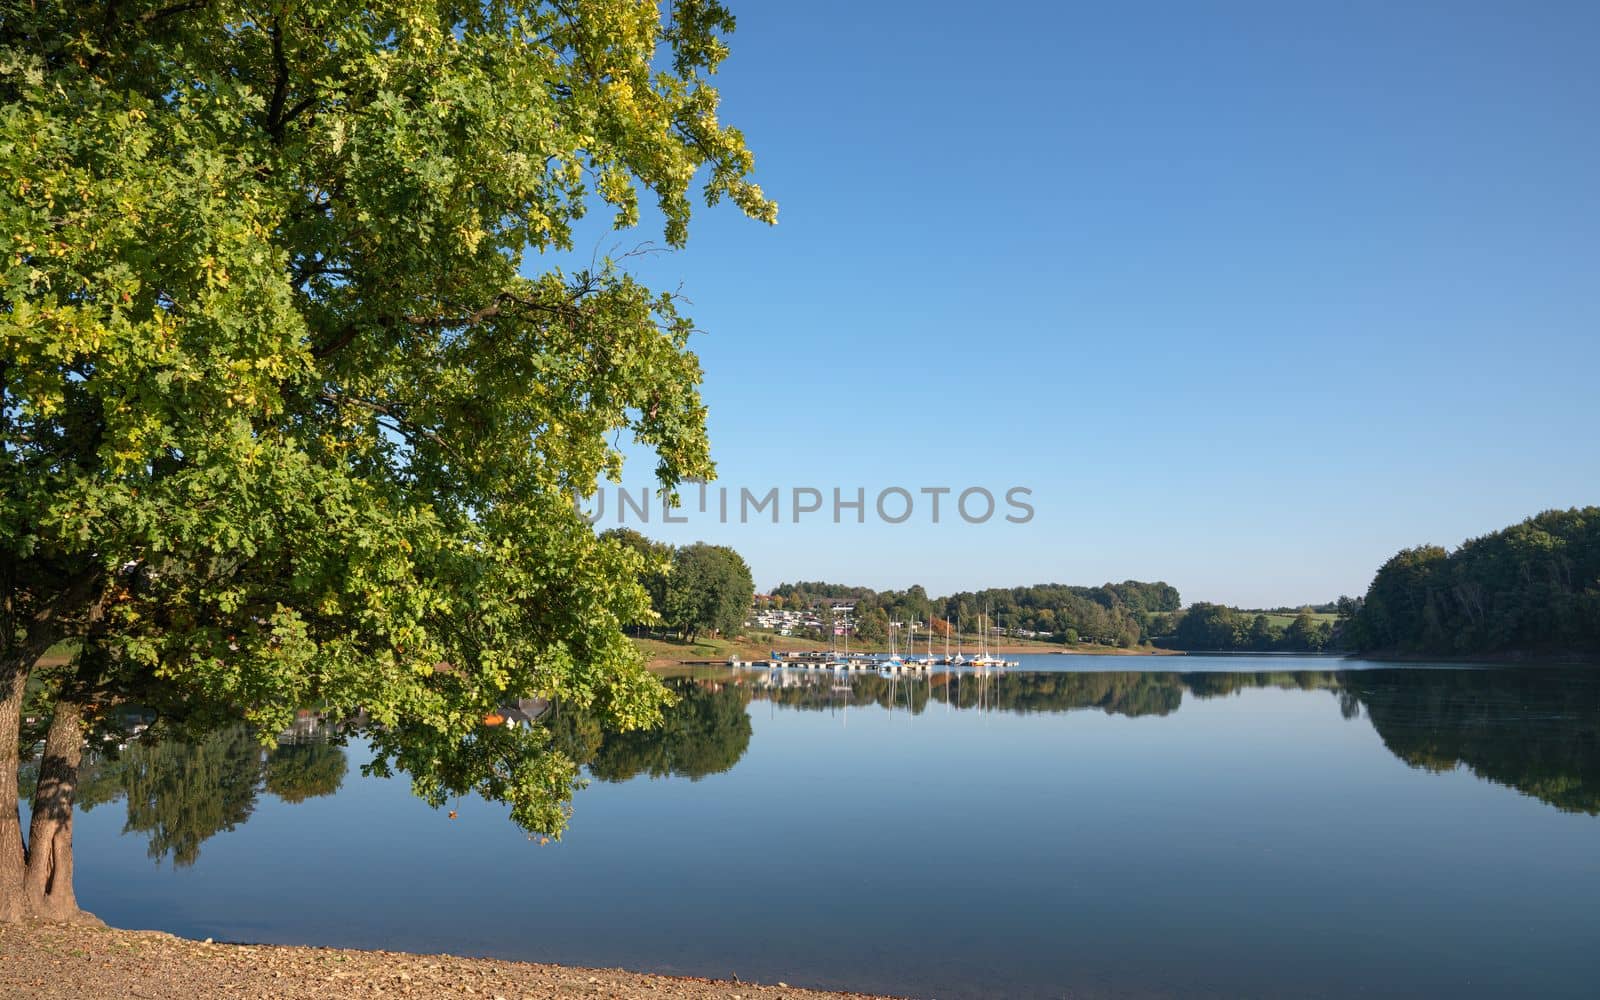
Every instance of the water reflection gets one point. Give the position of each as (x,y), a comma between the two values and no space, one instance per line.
(705,732)
(1536,731)
(1531,729)
(1130,693)
(178,795)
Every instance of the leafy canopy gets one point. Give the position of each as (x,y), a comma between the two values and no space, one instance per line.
(709,589)
(1531,587)
(692,589)
(283,422)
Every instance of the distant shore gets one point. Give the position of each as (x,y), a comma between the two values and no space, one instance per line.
(660,652)
(1082,649)
(81,962)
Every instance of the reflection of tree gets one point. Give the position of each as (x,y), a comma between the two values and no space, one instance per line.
(1534,730)
(1130,693)
(1537,731)
(1113,693)
(180,794)
(706,732)
(300,771)
(1215,685)
(575,734)
(895,693)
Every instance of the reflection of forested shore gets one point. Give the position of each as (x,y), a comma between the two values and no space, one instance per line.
(1537,731)
(1534,730)
(1131,693)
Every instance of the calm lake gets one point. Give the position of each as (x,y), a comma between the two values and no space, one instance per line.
(1083,826)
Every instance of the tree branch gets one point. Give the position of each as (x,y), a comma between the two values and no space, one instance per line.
(162,13)
(300,108)
(336,344)
(402,423)
(504,303)
(311,270)
(280,84)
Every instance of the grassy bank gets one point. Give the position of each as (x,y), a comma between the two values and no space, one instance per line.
(661,650)
(70,962)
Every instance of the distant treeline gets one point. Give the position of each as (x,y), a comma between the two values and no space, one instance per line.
(1217,627)
(1531,588)
(1534,588)
(1120,614)
(1113,613)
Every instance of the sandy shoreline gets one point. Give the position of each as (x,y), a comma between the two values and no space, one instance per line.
(78,962)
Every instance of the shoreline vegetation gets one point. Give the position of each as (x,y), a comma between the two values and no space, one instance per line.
(1532,589)
(1528,593)
(664,652)
(82,961)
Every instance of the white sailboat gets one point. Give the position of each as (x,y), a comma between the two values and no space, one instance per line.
(986,659)
(893,661)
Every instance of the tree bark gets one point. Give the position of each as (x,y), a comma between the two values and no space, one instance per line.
(13,682)
(29,626)
(47,886)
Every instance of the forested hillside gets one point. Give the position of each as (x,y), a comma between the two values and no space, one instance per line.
(1533,587)
(1112,613)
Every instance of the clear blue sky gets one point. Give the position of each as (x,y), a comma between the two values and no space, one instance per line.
(1251,295)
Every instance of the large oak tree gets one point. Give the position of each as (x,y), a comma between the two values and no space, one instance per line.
(285,420)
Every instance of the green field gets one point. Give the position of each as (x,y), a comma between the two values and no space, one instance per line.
(1283,621)
(755,645)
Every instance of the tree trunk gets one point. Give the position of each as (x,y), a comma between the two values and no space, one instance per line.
(28,628)
(13,682)
(47,886)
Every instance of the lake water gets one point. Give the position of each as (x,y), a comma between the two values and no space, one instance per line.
(1083,826)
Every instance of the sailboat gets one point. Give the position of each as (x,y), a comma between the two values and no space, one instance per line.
(985,659)
(829,625)
(893,661)
(845,663)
